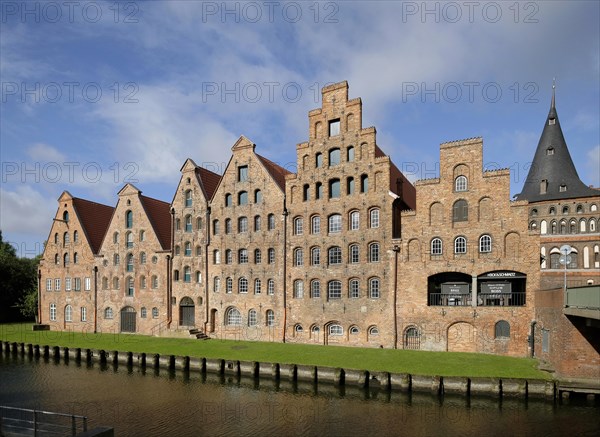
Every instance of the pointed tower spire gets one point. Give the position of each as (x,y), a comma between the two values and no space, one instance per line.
(552,174)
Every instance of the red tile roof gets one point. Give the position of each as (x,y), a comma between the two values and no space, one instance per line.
(159,214)
(208,180)
(277,173)
(94,218)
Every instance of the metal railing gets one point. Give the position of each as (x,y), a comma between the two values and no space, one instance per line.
(23,421)
(483,299)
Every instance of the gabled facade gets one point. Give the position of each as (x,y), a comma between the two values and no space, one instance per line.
(469,264)
(133,263)
(247,255)
(190,210)
(342,205)
(68,278)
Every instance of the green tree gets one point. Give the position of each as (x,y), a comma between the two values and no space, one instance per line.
(18,284)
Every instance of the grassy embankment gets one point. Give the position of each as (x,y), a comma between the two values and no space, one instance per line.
(389,360)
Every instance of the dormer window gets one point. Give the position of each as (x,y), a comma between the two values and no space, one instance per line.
(551,121)
(550,151)
(562,188)
(543,186)
(334,127)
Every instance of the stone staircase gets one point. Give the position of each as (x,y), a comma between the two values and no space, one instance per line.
(199,334)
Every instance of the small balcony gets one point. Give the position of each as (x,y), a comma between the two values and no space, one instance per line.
(483,299)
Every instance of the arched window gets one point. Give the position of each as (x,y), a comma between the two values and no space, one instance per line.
(271,255)
(565,210)
(593,207)
(364,183)
(334,188)
(105,283)
(270,318)
(298,289)
(563,227)
(216,256)
(315,289)
(436,246)
(142,235)
(108,313)
(68,313)
(315,256)
(257,256)
(75,258)
(552,210)
(188,223)
(271,222)
(354,254)
(298,226)
(334,255)
(412,338)
(154,282)
(336,330)
(116,259)
(257,196)
(187,249)
(573,227)
(228,226)
(485,244)
(270,287)
(334,157)
(115,237)
(56,238)
(334,290)
(216,284)
(318,190)
(66,239)
(315,224)
(353,330)
(130,286)
(188,198)
(335,223)
(177,224)
(374,252)
(228,256)
(228,200)
(229,285)
(66,261)
(319,160)
(502,329)
(553,227)
(257,286)
(242,198)
(56,259)
(129,239)
(130,262)
(373,331)
(298,257)
(243,285)
(252,318)
(350,154)
(298,329)
(199,223)
(257,223)
(461,183)
(460,211)
(177,250)
(129,219)
(582,225)
(187,274)
(350,186)
(242,224)
(579,209)
(75,236)
(354,289)
(374,287)
(374,218)
(592,225)
(66,217)
(142,282)
(155,313)
(460,245)
(175,275)
(243,256)
(233,317)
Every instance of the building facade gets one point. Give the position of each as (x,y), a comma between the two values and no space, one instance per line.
(344,251)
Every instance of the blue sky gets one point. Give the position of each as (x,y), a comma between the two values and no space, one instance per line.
(97,94)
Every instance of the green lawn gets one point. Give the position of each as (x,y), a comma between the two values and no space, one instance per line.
(389,360)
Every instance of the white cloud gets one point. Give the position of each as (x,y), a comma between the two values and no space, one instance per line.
(25,210)
(45,153)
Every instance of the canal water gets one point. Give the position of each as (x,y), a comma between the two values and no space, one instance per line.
(140,402)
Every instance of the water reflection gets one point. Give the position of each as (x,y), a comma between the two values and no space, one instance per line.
(158,402)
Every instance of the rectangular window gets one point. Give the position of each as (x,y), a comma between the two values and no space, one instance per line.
(375,218)
(77,284)
(67,284)
(88,284)
(243,256)
(242,173)
(53,312)
(48,284)
(57,284)
(83,314)
(334,128)
(271,255)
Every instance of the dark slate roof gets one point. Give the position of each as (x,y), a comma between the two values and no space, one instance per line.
(556,168)
(95,219)
(159,214)
(208,180)
(277,173)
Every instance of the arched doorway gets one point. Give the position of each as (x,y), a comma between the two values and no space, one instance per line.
(187,312)
(461,337)
(128,316)
(412,338)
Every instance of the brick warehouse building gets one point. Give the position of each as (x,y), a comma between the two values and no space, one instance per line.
(344,251)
